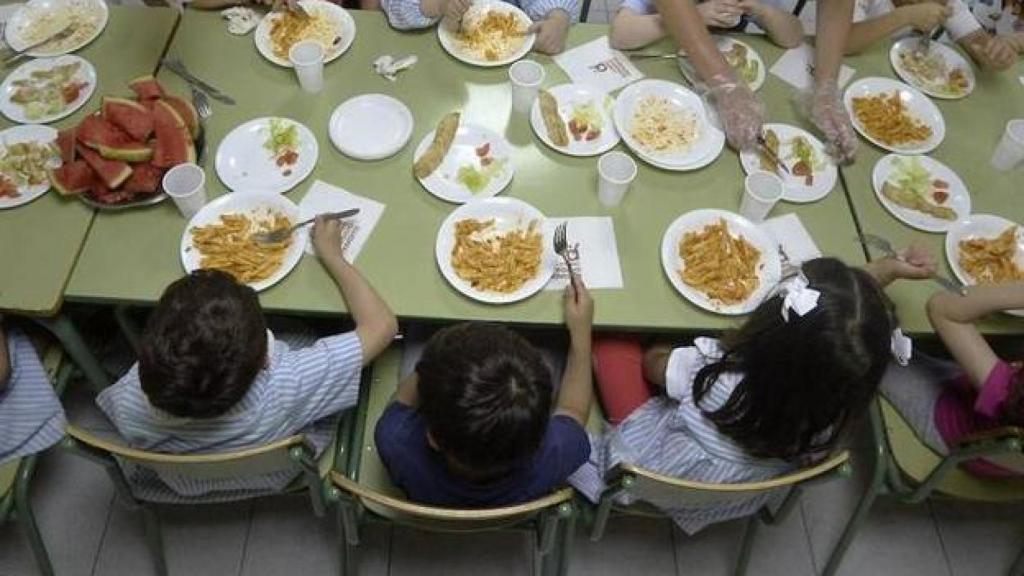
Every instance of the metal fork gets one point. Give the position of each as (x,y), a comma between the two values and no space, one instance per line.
(201,102)
(562,249)
(280,234)
(886,247)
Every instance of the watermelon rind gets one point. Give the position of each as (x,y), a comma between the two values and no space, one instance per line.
(128,115)
(59,178)
(135,153)
(146,87)
(113,173)
(186,111)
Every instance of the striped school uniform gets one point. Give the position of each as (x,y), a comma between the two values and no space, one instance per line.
(301,390)
(406,14)
(669,435)
(31,417)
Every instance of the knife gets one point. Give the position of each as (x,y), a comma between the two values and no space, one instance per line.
(214,93)
(58,35)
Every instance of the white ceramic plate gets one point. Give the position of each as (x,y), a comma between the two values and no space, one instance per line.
(569,97)
(769,269)
(509,214)
(259,204)
(452,45)
(701,152)
(444,182)
(244,165)
(344,25)
(17,113)
(986,226)
(796,188)
(959,198)
(90,15)
(370,127)
(918,105)
(726,43)
(935,89)
(28,133)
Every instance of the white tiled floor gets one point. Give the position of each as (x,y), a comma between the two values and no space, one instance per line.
(90,534)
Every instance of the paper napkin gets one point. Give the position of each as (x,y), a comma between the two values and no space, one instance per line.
(796,66)
(593,239)
(794,239)
(596,64)
(322,197)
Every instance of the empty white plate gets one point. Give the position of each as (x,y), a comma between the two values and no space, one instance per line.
(370,127)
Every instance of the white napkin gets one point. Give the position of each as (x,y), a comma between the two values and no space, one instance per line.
(598,254)
(794,239)
(389,66)
(796,65)
(322,197)
(241,20)
(596,64)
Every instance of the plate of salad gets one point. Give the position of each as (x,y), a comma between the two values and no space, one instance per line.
(45,90)
(812,173)
(478,164)
(266,155)
(27,153)
(584,122)
(921,192)
(743,59)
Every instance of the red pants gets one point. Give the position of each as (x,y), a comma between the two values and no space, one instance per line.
(619,373)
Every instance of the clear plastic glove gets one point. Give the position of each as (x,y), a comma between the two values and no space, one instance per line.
(739,111)
(826,111)
(720,13)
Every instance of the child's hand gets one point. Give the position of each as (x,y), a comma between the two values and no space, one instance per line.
(926,17)
(579,308)
(752,7)
(551,32)
(720,13)
(914,263)
(1001,52)
(327,238)
(453,12)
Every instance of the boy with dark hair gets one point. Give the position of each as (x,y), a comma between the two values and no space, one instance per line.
(212,378)
(472,426)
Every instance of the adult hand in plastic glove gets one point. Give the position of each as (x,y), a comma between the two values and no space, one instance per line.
(739,110)
(827,112)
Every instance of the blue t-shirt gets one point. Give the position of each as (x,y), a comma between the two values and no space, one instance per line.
(420,471)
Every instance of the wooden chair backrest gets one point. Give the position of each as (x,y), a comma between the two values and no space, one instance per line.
(273,457)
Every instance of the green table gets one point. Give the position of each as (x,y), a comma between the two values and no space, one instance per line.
(973,127)
(39,242)
(131,257)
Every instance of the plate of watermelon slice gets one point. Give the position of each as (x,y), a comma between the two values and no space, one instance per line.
(116,157)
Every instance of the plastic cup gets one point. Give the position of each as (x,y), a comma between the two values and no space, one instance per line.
(307,57)
(186,185)
(1009,153)
(615,173)
(761,192)
(526,76)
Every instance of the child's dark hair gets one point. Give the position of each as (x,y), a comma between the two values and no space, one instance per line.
(485,393)
(804,380)
(204,344)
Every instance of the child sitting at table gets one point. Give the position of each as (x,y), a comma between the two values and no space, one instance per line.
(769,397)
(212,378)
(637,23)
(876,20)
(472,426)
(945,402)
(551,18)
(31,417)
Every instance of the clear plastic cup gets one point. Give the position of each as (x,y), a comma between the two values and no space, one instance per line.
(615,173)
(761,192)
(526,76)
(186,185)
(307,57)
(1009,153)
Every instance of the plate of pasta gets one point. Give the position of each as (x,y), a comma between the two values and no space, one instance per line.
(497,250)
(940,73)
(492,33)
(667,125)
(325,22)
(894,116)
(986,249)
(220,237)
(720,261)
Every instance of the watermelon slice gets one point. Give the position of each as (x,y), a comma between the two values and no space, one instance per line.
(128,115)
(112,173)
(94,131)
(145,179)
(187,112)
(146,87)
(173,141)
(66,144)
(73,178)
(104,195)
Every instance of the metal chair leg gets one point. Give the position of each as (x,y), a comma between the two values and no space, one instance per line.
(747,545)
(64,330)
(155,539)
(27,519)
(568,537)
(129,328)
(585,11)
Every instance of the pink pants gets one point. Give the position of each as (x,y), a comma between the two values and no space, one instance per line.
(619,373)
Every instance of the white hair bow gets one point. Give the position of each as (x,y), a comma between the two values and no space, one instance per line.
(902,347)
(798,296)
